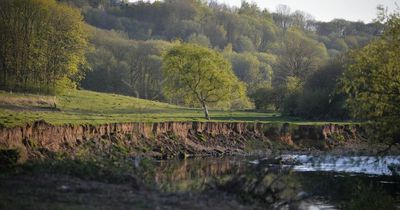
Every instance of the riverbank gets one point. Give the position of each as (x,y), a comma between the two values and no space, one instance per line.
(65,154)
(179,139)
(115,166)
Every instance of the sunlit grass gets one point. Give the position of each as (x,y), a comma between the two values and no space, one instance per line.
(87,107)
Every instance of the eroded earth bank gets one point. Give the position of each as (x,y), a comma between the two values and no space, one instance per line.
(174,139)
(180,165)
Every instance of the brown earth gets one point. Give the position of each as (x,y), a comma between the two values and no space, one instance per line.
(171,139)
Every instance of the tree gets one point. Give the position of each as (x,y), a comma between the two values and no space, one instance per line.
(246,67)
(298,57)
(372,82)
(282,17)
(199,75)
(320,98)
(199,39)
(42,44)
(243,44)
(145,67)
(125,66)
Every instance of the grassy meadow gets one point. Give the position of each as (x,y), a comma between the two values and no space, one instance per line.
(88,107)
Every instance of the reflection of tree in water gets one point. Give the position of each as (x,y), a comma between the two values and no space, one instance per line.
(271,184)
(369,197)
(274,188)
(350,191)
(191,174)
(277,187)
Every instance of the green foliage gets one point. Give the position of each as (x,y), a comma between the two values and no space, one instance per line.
(372,82)
(51,53)
(319,98)
(199,76)
(41,44)
(199,39)
(246,67)
(247,28)
(125,66)
(299,57)
(297,44)
(243,44)
(93,108)
(263,98)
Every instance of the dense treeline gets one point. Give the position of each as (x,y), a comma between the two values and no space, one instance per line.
(273,53)
(42,45)
(276,54)
(247,28)
(120,65)
(288,61)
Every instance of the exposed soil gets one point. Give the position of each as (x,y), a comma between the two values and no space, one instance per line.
(180,139)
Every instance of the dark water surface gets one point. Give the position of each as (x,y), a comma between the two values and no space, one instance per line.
(311,182)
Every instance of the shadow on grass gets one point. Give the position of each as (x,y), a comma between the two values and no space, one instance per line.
(261,119)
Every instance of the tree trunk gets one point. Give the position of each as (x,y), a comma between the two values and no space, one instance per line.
(205,110)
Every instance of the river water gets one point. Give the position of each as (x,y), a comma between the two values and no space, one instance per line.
(287,181)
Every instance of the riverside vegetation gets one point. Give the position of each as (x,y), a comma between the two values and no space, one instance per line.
(191,104)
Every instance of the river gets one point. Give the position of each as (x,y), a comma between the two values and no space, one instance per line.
(286,181)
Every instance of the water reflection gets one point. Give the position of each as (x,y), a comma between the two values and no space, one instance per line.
(381,165)
(286,182)
(191,174)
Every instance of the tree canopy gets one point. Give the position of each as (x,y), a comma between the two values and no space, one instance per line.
(42,44)
(372,81)
(201,76)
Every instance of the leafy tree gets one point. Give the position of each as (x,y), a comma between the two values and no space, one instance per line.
(145,61)
(243,44)
(199,75)
(298,57)
(339,44)
(42,44)
(372,82)
(302,20)
(320,98)
(264,98)
(126,66)
(246,67)
(199,39)
(107,72)
(250,9)
(215,32)
(182,29)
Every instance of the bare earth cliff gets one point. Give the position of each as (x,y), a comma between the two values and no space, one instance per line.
(171,139)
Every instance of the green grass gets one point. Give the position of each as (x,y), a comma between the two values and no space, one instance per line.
(87,107)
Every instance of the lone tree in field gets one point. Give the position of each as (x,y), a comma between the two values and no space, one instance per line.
(199,75)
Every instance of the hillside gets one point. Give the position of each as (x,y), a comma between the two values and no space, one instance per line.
(87,107)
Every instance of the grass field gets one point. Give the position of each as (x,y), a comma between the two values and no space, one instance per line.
(87,107)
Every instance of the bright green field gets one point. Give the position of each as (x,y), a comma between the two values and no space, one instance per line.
(87,107)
